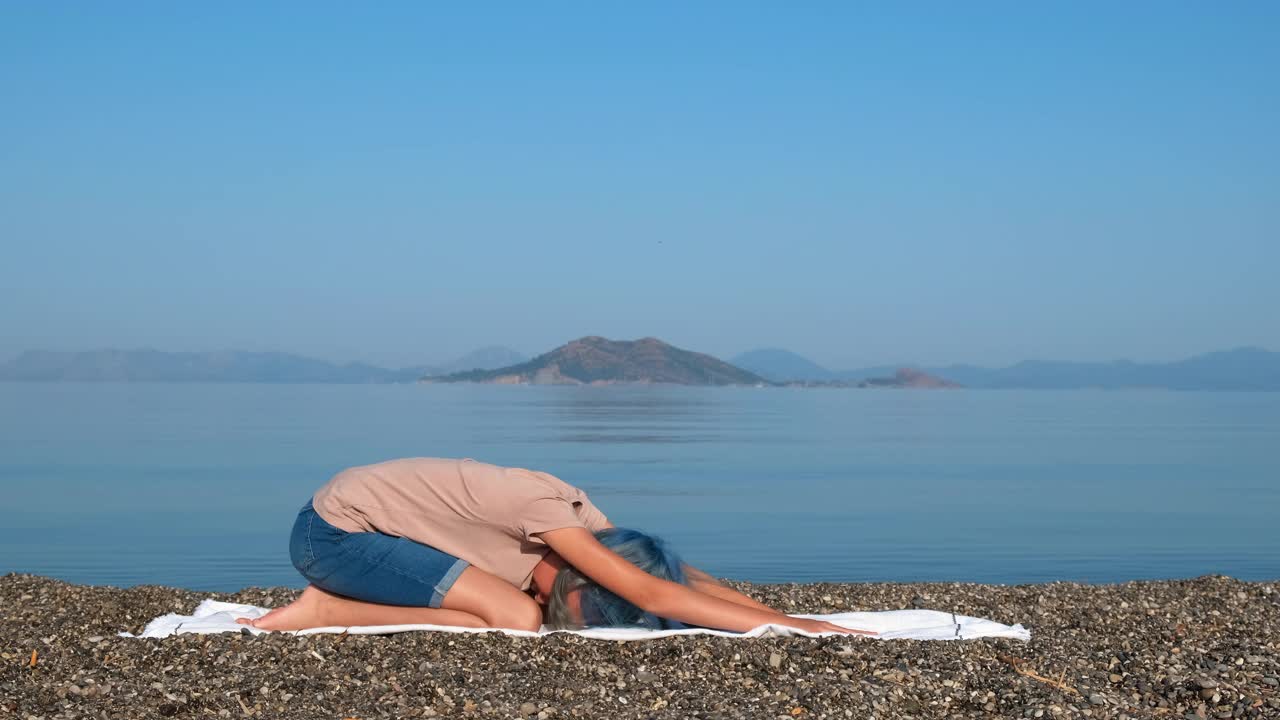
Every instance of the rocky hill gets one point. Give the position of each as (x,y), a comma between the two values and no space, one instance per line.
(597,360)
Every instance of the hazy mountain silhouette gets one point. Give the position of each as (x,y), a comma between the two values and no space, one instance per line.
(781,365)
(231,366)
(486,358)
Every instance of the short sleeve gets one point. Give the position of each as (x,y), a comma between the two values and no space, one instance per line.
(545,514)
(592,517)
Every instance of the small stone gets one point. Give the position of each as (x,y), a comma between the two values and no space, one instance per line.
(528,708)
(775,660)
(96,638)
(1097,699)
(645,676)
(1116,678)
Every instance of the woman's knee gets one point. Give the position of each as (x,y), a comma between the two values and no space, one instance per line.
(499,603)
(521,614)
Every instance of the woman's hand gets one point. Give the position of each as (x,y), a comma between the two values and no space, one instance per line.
(821,626)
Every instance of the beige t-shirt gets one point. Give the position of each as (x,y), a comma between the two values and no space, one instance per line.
(487,515)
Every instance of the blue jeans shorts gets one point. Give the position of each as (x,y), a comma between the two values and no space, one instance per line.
(371,566)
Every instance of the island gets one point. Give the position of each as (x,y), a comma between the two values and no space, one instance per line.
(594,360)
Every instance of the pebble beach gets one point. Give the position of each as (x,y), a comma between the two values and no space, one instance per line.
(1202,648)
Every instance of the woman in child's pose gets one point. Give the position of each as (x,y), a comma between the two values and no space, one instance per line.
(463,543)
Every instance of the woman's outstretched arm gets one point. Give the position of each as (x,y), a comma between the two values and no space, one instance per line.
(664,598)
(704,583)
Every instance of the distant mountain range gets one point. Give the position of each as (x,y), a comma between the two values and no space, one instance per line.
(232,366)
(594,360)
(1240,369)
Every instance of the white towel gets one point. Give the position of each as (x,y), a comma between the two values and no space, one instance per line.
(213,616)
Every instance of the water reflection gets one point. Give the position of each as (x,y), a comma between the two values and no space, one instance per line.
(634,416)
(624,438)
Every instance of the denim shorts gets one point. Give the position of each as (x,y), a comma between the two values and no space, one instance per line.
(371,566)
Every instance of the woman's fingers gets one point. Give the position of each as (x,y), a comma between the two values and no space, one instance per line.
(850,631)
(822,626)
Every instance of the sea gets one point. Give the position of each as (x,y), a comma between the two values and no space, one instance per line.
(197,485)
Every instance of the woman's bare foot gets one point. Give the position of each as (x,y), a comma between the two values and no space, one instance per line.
(308,611)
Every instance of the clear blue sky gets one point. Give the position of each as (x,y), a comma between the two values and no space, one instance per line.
(401,183)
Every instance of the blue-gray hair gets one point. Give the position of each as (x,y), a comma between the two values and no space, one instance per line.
(600,607)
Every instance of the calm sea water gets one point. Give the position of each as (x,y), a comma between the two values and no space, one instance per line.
(197,485)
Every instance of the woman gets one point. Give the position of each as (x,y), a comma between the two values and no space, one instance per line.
(463,543)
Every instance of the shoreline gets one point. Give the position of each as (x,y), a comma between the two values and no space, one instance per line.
(1208,647)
